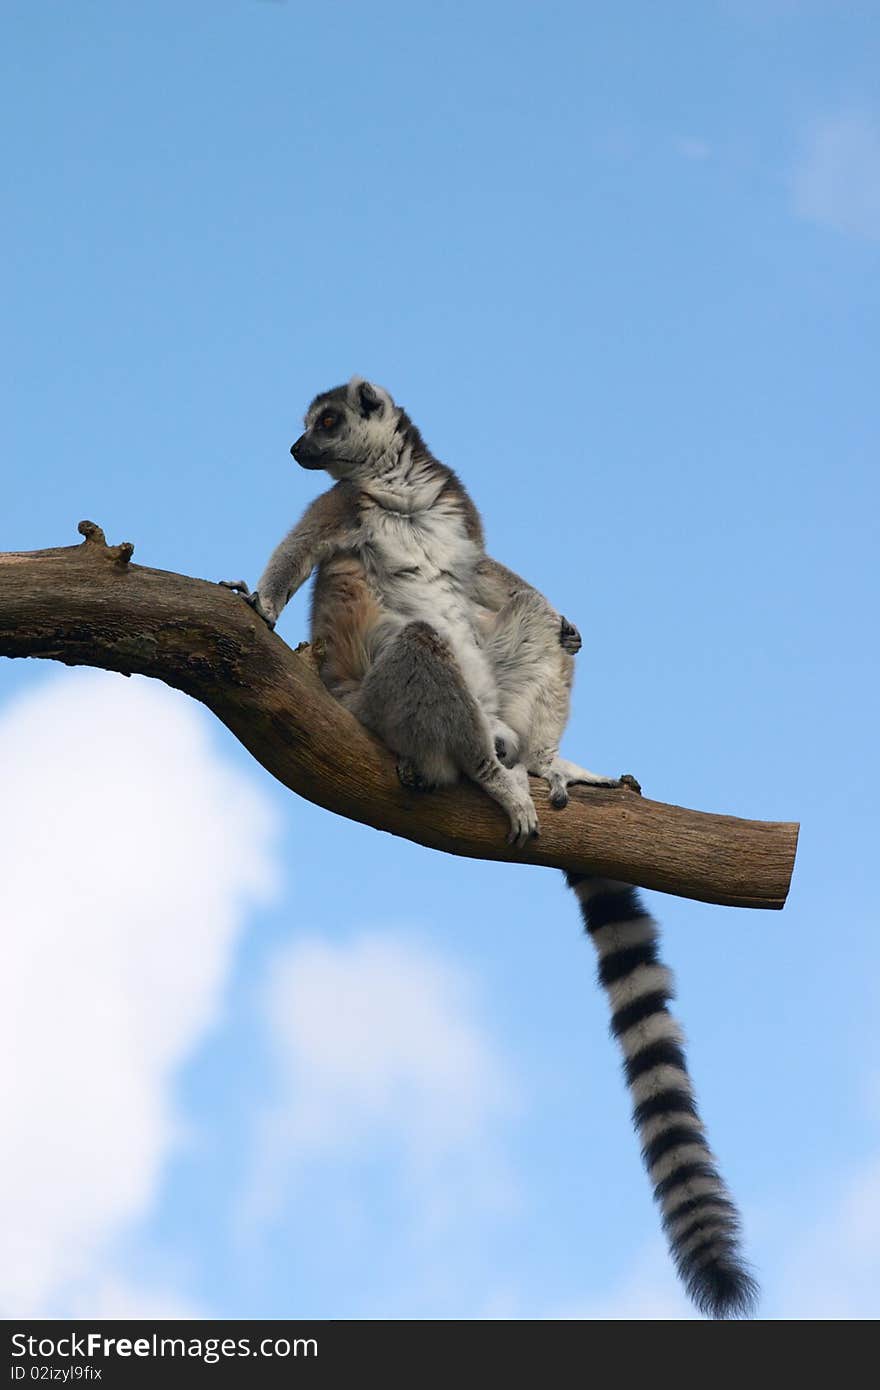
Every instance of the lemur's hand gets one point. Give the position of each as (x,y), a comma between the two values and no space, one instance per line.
(238,586)
(569,637)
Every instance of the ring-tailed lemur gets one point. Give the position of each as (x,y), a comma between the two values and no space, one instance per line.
(424,633)
(452,659)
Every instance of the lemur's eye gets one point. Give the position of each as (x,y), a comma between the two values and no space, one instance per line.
(327,422)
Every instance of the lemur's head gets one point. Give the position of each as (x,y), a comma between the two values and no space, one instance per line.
(350,430)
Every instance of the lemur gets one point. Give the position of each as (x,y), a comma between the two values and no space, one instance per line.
(425,637)
(460,667)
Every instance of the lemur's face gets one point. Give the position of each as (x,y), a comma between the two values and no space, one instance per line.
(347,430)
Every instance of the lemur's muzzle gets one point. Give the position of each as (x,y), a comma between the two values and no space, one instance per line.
(306,455)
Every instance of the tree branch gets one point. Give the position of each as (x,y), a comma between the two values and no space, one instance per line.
(88,605)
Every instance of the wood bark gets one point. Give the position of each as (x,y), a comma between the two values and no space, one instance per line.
(89,605)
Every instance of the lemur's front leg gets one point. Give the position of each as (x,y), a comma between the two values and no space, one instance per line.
(290,565)
(238,586)
(286,572)
(323,526)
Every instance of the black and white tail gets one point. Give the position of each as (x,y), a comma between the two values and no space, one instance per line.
(700,1220)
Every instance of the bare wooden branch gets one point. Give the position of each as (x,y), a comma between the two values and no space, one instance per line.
(88,605)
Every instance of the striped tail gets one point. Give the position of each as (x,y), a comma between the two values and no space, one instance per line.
(700,1220)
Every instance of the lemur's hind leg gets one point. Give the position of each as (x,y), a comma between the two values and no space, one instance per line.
(416,699)
(531,647)
(523,642)
(560,774)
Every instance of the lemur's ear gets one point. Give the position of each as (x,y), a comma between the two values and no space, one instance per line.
(368,398)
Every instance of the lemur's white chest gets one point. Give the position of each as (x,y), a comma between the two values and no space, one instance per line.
(420,563)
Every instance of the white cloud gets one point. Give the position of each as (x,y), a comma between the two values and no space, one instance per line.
(378,1042)
(837,182)
(129,853)
(111,1297)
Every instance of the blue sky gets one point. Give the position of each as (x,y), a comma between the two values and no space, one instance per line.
(621,265)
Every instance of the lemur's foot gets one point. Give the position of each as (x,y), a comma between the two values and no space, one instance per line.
(410,777)
(506,745)
(523,824)
(569,638)
(560,774)
(520,809)
(238,586)
(558,791)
